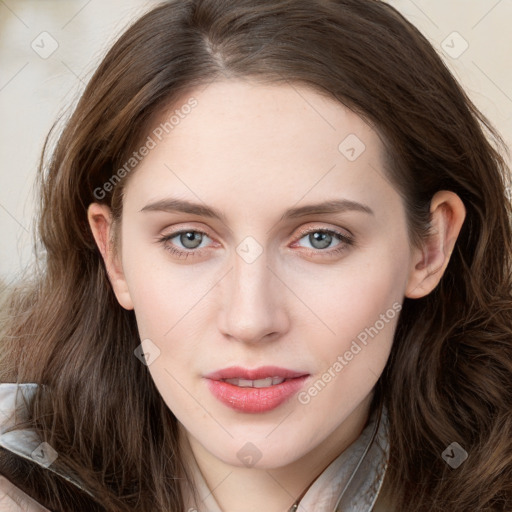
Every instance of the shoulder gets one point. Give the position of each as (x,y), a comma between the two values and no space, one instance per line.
(13,499)
(12,405)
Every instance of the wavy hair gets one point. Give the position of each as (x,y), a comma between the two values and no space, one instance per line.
(449,375)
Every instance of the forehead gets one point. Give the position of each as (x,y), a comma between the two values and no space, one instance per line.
(258,142)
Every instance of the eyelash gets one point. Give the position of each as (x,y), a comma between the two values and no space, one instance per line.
(346,241)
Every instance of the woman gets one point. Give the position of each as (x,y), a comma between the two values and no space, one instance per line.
(276,275)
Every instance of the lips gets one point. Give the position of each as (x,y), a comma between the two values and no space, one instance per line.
(255,390)
(263,372)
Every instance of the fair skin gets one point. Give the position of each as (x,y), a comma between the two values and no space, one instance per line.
(253,151)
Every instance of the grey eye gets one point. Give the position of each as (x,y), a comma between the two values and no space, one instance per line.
(189,239)
(321,239)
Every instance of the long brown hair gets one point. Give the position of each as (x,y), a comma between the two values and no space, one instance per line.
(449,376)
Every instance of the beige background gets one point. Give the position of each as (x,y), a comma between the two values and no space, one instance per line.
(35,86)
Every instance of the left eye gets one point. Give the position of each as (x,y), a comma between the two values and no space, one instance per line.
(322,239)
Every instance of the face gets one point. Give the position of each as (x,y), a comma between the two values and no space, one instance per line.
(237,269)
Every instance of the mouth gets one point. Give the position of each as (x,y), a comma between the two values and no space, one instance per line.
(255,391)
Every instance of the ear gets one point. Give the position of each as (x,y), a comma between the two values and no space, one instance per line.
(100,221)
(447,214)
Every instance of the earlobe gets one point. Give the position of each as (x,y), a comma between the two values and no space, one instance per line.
(100,222)
(429,262)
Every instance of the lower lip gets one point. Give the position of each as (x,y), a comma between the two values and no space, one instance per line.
(254,400)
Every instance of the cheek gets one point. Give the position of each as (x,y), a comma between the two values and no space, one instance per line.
(162,291)
(358,307)
(357,291)
(363,317)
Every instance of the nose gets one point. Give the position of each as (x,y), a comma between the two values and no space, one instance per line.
(254,302)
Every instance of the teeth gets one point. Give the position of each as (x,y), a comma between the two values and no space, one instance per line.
(244,383)
(259,383)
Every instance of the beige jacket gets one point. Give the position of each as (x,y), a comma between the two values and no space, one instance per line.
(353,482)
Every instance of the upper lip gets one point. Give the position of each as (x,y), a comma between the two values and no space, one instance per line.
(263,372)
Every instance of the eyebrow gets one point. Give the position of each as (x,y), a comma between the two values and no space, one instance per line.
(181,205)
